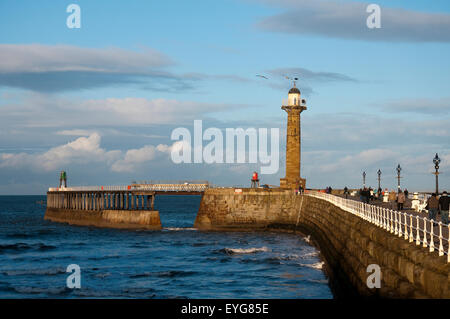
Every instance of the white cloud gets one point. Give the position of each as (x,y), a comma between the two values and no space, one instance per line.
(43,110)
(24,58)
(75,132)
(134,158)
(84,150)
(365,158)
(427,106)
(347,19)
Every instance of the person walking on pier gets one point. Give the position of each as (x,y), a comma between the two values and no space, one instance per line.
(432,206)
(400,200)
(444,203)
(365,194)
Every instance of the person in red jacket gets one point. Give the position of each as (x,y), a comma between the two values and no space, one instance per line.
(255,180)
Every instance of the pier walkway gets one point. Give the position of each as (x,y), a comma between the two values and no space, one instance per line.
(128,197)
(412,226)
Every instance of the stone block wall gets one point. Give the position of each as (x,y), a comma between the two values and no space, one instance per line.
(130,219)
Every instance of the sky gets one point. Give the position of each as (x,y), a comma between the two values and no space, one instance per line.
(102,100)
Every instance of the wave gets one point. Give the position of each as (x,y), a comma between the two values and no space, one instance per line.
(170,274)
(178,228)
(233,251)
(32,234)
(47,291)
(23,246)
(200,244)
(312,254)
(318,265)
(319,281)
(105,257)
(41,271)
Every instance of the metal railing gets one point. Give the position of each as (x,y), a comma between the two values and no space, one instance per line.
(412,228)
(153,187)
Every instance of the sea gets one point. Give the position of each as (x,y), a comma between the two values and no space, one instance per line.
(175,262)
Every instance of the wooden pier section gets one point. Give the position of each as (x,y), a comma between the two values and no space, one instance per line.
(130,206)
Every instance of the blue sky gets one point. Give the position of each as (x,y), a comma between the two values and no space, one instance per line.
(97,101)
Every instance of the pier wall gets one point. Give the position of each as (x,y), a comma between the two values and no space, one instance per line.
(120,209)
(130,219)
(347,243)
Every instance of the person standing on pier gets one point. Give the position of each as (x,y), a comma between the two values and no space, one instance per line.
(444,203)
(432,206)
(255,180)
(400,200)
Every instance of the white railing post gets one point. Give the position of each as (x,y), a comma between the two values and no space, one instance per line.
(396,224)
(432,236)
(425,243)
(390,220)
(385,222)
(448,243)
(406,227)
(417,229)
(441,247)
(411,235)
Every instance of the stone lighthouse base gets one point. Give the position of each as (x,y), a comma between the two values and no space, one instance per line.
(292,183)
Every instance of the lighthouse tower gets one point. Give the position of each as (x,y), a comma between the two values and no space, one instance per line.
(295,106)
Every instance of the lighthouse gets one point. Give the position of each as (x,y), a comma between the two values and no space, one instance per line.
(295,106)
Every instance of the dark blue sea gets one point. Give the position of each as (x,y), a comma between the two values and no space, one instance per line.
(177,262)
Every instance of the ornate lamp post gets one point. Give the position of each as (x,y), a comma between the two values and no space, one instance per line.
(436,161)
(364,179)
(399,169)
(379,180)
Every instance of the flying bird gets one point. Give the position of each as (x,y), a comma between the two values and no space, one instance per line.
(262,76)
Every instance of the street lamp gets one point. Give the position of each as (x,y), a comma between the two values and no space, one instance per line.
(379,180)
(436,161)
(399,169)
(364,179)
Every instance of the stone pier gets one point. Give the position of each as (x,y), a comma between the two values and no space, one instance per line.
(115,209)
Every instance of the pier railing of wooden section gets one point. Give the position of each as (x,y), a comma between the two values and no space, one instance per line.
(138,187)
(415,229)
(100,200)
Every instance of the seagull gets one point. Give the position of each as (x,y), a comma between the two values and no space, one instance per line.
(262,76)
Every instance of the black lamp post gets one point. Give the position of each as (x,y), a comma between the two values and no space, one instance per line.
(379,180)
(399,169)
(364,179)
(436,161)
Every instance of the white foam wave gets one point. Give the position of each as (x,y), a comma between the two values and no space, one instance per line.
(307,255)
(179,228)
(297,256)
(318,265)
(246,250)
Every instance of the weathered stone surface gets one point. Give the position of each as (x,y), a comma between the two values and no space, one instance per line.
(130,219)
(347,243)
